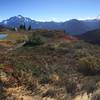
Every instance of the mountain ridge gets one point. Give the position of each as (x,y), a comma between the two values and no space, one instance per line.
(73,26)
(91,36)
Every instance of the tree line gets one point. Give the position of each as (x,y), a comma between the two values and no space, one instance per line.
(23,27)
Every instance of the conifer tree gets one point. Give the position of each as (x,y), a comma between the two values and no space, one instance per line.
(29,28)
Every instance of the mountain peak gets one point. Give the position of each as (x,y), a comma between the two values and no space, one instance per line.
(20,16)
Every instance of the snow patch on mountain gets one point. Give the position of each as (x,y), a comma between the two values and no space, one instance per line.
(5,22)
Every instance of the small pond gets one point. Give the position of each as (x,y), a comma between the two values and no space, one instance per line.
(2,36)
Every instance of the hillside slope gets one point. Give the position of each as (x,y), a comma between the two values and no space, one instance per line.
(51,66)
(91,36)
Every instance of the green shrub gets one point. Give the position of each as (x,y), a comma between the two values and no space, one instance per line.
(26,79)
(71,86)
(35,40)
(44,79)
(36,71)
(89,85)
(89,65)
(2,96)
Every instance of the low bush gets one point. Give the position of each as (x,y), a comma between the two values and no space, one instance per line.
(25,79)
(89,65)
(89,85)
(71,87)
(36,71)
(35,40)
(44,79)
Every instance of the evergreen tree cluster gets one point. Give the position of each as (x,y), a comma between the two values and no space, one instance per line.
(23,27)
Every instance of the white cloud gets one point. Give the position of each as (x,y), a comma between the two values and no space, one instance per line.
(90,18)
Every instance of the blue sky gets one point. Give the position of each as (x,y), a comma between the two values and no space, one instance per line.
(50,10)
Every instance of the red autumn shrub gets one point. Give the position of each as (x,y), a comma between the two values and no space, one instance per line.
(8,68)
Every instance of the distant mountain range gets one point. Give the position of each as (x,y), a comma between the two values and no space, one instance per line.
(73,27)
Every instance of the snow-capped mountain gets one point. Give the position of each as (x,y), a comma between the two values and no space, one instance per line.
(16,21)
(73,26)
